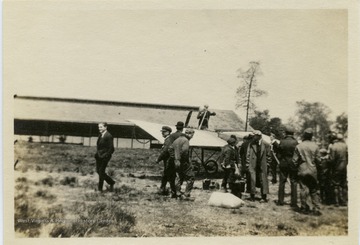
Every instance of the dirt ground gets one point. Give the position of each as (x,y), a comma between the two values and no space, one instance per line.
(55,196)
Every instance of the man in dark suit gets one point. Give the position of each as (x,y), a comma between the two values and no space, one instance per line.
(285,152)
(105,148)
(228,158)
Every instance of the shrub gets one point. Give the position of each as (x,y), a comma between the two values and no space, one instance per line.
(71,181)
(48,181)
(45,194)
(93,218)
(24,217)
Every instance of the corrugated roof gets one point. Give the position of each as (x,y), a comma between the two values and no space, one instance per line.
(76,110)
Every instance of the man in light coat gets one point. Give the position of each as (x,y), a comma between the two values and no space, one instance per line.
(258,158)
(179,154)
(306,158)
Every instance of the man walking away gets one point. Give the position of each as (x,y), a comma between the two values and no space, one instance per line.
(306,158)
(285,152)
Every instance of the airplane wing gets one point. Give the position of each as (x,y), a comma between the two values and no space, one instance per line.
(202,138)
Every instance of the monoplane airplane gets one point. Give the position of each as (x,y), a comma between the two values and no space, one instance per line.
(205,146)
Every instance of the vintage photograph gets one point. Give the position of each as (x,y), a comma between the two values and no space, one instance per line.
(176,122)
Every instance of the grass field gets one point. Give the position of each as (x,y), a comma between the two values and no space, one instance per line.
(55,196)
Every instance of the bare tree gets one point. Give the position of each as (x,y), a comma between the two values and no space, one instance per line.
(247,90)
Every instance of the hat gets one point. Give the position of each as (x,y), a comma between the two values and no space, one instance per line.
(231,141)
(166,128)
(180,125)
(340,136)
(323,151)
(257,132)
(289,130)
(308,131)
(189,131)
(233,136)
(250,136)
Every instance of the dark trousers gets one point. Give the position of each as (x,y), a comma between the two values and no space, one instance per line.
(101,165)
(339,181)
(169,175)
(229,178)
(286,173)
(326,187)
(273,171)
(185,173)
(309,193)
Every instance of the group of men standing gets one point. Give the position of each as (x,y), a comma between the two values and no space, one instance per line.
(300,163)
(176,159)
(251,161)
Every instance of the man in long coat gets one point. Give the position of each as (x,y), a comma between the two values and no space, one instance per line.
(258,158)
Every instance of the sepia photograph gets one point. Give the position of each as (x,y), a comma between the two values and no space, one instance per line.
(180,122)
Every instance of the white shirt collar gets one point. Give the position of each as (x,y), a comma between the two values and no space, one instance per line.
(102,135)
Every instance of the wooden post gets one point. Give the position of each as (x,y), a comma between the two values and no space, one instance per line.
(132,137)
(90,132)
(202,155)
(117,142)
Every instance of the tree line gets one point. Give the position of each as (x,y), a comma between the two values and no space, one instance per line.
(313,115)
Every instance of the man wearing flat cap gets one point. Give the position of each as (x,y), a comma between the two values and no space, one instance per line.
(306,159)
(285,153)
(168,173)
(228,158)
(179,155)
(258,158)
(338,158)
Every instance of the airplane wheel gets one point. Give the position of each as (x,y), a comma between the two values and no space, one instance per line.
(211,166)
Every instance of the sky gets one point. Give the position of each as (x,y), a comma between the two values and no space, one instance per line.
(181,57)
